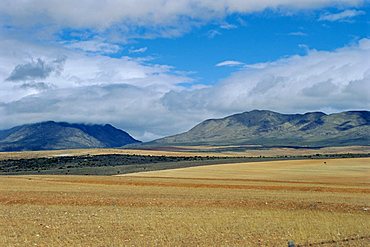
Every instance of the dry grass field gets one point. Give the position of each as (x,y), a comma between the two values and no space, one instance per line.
(249,204)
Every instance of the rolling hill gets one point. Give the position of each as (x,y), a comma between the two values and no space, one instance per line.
(268,128)
(59,135)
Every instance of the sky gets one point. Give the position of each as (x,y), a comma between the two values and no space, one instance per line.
(158,67)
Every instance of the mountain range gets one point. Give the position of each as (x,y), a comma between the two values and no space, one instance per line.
(268,128)
(59,135)
(257,127)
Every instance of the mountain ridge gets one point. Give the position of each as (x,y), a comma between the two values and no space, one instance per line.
(51,135)
(269,128)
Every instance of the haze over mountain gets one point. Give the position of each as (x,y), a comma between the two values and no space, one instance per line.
(59,135)
(270,128)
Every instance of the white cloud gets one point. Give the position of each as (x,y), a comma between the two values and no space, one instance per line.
(320,80)
(227,26)
(229,63)
(299,33)
(36,69)
(89,88)
(138,50)
(80,69)
(161,17)
(132,108)
(213,33)
(342,16)
(93,46)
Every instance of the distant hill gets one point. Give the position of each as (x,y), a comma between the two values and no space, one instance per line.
(269,128)
(53,135)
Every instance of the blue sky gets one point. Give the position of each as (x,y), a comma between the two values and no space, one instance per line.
(264,37)
(158,67)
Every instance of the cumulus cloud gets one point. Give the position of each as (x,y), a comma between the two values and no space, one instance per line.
(36,69)
(320,80)
(342,16)
(89,88)
(229,63)
(161,17)
(137,110)
(80,69)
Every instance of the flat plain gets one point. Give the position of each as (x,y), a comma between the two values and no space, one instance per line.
(317,202)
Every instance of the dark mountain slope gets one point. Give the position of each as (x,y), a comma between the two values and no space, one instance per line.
(52,135)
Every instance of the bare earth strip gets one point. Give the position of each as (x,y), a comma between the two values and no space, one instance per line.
(249,204)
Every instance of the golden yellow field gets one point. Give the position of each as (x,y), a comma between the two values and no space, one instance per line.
(250,204)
